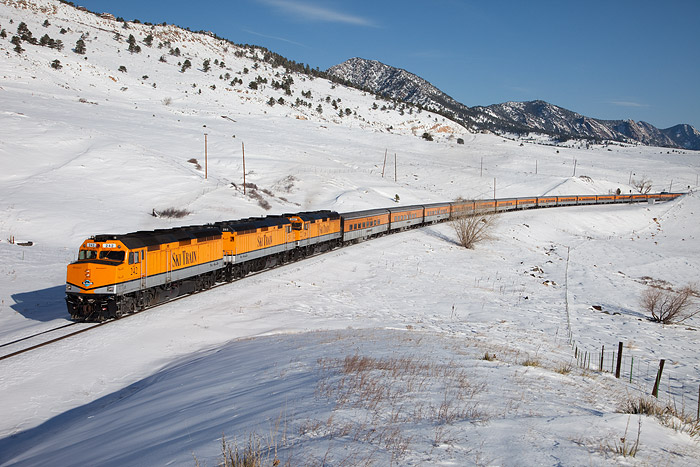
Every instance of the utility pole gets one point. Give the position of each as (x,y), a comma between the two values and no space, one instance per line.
(670,187)
(384,166)
(574,167)
(243,151)
(535,166)
(395,170)
(494,188)
(205,157)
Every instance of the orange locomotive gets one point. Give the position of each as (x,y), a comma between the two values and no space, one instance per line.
(117,274)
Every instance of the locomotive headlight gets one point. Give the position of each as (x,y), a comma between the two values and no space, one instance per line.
(87,273)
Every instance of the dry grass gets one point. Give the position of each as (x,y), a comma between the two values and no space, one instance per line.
(564,369)
(666,414)
(388,397)
(529,361)
(625,446)
(489,356)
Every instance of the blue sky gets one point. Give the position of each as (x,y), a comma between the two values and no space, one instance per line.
(611,59)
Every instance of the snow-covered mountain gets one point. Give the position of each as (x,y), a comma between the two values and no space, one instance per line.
(510,117)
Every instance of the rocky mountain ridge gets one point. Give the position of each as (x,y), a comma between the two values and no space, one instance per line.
(510,117)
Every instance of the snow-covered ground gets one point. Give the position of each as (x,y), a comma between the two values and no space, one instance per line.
(370,354)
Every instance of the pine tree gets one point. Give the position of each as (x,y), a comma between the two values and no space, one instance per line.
(187,64)
(148,40)
(18,44)
(206,66)
(80,47)
(133,46)
(56,64)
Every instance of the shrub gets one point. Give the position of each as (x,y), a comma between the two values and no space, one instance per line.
(668,306)
(472,229)
(642,185)
(171,213)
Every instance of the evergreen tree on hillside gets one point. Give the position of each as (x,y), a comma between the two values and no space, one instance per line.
(18,44)
(25,34)
(148,40)
(206,66)
(187,64)
(79,47)
(133,46)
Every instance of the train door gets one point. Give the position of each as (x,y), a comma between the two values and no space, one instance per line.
(144,269)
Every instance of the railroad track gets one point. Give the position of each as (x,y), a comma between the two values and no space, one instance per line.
(50,336)
(40,339)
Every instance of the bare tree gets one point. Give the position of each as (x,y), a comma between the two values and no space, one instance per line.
(643,185)
(473,228)
(668,306)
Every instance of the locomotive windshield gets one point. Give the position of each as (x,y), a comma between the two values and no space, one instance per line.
(296,225)
(87,254)
(112,256)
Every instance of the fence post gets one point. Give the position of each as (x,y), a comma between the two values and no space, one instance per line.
(602,353)
(631,368)
(655,391)
(619,360)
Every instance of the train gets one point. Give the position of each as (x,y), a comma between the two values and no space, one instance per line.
(118,274)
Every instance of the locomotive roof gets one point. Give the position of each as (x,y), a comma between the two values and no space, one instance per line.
(316,215)
(156,237)
(252,223)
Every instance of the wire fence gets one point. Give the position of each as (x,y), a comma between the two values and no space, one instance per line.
(671,383)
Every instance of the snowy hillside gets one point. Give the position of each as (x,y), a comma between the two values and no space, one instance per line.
(370,354)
